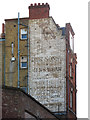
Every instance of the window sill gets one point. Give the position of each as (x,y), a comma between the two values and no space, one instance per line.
(23,68)
(23,39)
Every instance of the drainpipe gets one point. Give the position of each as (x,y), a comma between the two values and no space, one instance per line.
(4,65)
(18,53)
(3,42)
(28,62)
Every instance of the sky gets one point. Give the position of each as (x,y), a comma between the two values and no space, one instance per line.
(63,11)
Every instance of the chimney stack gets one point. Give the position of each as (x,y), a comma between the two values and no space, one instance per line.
(3,32)
(2,27)
(38,11)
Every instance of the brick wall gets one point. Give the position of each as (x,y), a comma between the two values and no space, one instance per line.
(17,104)
(70,72)
(11,71)
(48,64)
(39,11)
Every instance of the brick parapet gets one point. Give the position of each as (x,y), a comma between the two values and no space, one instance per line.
(39,5)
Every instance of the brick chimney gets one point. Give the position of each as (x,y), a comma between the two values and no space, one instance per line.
(38,11)
(2,27)
(3,33)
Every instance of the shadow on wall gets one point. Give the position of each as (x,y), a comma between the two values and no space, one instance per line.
(11,71)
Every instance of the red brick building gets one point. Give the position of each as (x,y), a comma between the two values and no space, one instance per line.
(71,71)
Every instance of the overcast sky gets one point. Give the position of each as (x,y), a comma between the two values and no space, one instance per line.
(63,11)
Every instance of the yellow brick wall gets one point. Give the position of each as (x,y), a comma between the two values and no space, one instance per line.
(11,71)
(3,55)
(2,44)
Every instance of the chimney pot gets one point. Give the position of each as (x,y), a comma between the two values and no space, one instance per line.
(42,3)
(38,3)
(35,4)
(31,5)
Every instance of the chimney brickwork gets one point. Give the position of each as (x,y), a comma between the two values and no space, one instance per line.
(38,11)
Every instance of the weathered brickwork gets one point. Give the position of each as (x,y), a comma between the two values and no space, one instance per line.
(39,11)
(47,64)
(11,71)
(52,61)
(17,104)
(71,61)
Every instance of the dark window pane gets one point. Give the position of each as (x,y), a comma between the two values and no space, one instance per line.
(24,64)
(24,36)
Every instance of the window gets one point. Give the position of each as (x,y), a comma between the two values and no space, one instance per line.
(70,70)
(23,62)
(71,41)
(71,60)
(71,98)
(75,72)
(23,34)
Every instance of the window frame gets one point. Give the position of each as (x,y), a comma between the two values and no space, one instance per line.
(71,70)
(23,60)
(22,65)
(22,32)
(71,98)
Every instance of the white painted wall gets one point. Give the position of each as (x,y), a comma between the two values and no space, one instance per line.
(48,64)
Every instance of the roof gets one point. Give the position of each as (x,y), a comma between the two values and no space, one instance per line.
(26,18)
(63,30)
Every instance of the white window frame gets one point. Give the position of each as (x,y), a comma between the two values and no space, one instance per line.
(71,41)
(23,60)
(23,32)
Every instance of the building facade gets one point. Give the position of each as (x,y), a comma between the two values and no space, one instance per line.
(40,59)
